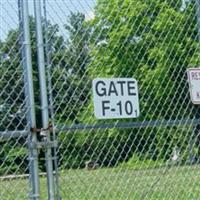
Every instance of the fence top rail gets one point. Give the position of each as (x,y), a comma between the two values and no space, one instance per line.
(157,123)
(143,124)
(13,134)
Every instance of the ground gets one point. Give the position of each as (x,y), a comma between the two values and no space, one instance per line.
(181,183)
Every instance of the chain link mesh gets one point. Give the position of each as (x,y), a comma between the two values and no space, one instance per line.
(154,42)
(13,123)
(154,156)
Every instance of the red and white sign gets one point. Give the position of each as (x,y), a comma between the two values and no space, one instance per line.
(194,83)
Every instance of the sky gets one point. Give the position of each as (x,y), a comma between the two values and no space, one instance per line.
(57,12)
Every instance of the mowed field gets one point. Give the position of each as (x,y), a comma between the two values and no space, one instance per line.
(181,183)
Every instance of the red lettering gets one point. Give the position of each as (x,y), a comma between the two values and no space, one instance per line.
(195,75)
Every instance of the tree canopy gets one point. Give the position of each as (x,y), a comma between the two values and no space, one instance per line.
(154,42)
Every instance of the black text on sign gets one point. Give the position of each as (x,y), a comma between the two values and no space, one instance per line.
(115,98)
(194,83)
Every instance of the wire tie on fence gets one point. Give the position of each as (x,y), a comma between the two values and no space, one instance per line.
(55,158)
(45,144)
(43,132)
(33,196)
(26,43)
(31,158)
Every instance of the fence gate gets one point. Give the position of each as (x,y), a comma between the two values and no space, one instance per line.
(61,56)
(16,105)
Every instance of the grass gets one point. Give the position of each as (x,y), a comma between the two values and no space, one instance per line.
(181,183)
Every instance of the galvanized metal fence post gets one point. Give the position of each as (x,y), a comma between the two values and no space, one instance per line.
(28,79)
(44,102)
(197,4)
(48,66)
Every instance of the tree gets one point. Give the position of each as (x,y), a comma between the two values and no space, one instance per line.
(12,102)
(12,83)
(68,61)
(70,88)
(155,42)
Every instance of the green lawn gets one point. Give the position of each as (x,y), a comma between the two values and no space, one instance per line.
(182,183)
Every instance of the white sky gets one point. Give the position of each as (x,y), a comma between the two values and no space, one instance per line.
(57,12)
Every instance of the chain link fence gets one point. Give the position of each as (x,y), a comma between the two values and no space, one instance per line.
(153,156)
(13,112)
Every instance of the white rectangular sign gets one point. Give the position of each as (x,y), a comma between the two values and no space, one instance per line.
(194,83)
(115,98)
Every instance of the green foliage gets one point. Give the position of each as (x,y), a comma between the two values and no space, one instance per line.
(103,147)
(69,75)
(68,60)
(136,162)
(12,86)
(13,111)
(154,42)
(13,158)
(150,40)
